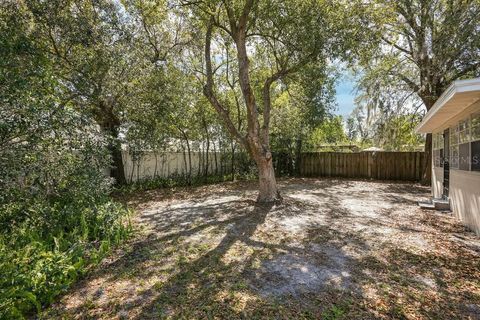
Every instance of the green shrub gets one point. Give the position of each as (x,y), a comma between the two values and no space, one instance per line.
(56,217)
(181,181)
(38,265)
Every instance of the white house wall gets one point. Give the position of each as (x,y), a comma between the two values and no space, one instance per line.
(464,189)
(465,197)
(437,182)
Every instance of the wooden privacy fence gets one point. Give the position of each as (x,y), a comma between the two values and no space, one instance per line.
(370,165)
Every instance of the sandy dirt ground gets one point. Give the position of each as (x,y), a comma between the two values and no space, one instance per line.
(333,249)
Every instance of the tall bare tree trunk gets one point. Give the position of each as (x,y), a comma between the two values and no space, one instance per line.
(185,172)
(427,171)
(188,170)
(156,163)
(298,157)
(232,164)
(215,158)
(207,138)
(200,161)
(429,101)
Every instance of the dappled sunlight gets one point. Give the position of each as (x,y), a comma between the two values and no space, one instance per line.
(330,243)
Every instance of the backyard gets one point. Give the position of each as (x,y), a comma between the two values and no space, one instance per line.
(332,249)
(239,159)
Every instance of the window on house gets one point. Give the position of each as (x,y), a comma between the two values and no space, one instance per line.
(454,146)
(475,142)
(475,124)
(464,156)
(464,145)
(437,143)
(464,131)
(475,155)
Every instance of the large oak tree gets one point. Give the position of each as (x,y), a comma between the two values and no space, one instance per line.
(426,45)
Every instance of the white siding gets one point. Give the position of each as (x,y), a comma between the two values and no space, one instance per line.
(465,197)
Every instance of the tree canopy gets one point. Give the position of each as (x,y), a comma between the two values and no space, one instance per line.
(423,46)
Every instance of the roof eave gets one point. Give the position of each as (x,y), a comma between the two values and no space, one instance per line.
(456,87)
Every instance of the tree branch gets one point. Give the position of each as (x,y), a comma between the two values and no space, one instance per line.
(208,88)
(267,104)
(396,46)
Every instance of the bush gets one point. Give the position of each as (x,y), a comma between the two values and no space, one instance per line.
(56,217)
(38,265)
(179,180)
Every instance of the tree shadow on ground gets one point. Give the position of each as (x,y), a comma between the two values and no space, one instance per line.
(199,281)
(219,257)
(274,280)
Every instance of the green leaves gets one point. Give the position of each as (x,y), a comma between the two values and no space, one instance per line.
(426,44)
(417,49)
(53,157)
(34,272)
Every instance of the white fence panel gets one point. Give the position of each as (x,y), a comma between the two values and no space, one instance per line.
(165,164)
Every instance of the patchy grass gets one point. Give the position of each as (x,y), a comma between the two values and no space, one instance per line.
(334,249)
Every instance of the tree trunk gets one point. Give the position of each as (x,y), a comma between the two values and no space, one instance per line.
(215,158)
(206,158)
(156,164)
(110,125)
(257,140)
(221,155)
(185,171)
(428,101)
(232,164)
(298,157)
(207,138)
(163,166)
(117,171)
(133,170)
(189,162)
(268,191)
(427,171)
(189,169)
(200,161)
(138,167)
